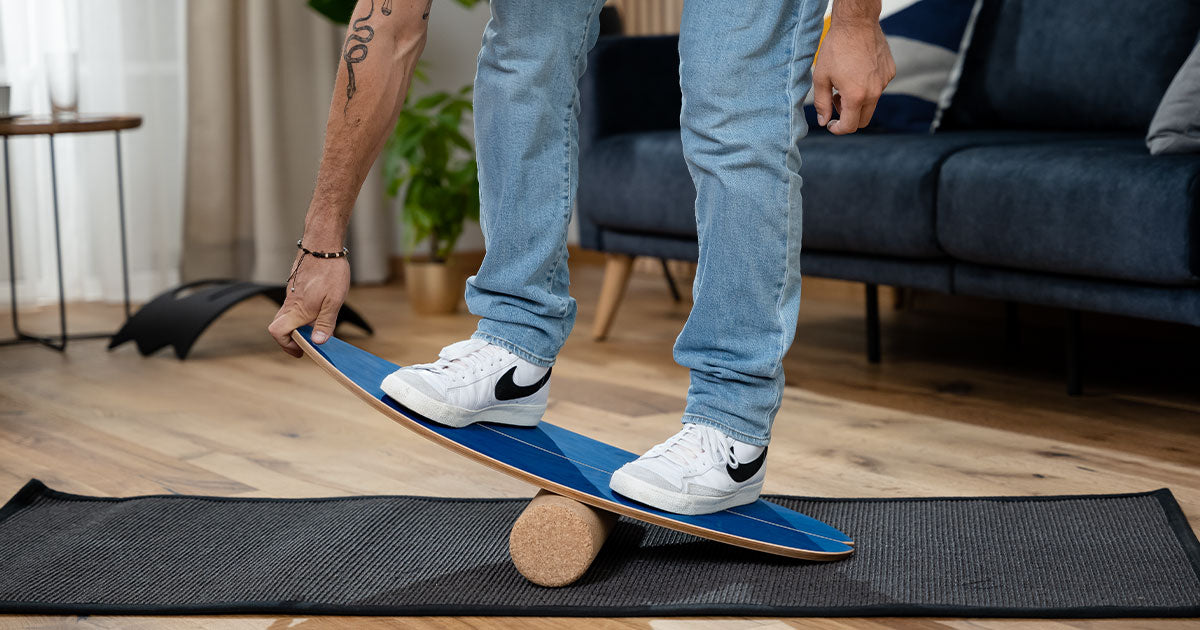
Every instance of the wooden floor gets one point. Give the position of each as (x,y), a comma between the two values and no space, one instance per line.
(952,410)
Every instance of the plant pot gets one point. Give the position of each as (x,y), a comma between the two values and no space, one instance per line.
(433,288)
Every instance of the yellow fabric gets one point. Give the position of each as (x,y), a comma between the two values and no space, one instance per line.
(824,31)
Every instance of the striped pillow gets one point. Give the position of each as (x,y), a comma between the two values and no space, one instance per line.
(928,39)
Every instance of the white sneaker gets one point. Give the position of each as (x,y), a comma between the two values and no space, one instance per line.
(697,471)
(473,381)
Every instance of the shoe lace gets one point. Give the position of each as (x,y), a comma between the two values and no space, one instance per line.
(463,358)
(693,442)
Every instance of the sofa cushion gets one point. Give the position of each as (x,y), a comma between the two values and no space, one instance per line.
(1102,208)
(875,193)
(638,182)
(1072,64)
(863,193)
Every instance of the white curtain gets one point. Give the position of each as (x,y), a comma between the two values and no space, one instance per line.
(131,59)
(261,76)
(260,80)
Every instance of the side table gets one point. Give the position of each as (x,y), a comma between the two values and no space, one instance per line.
(175,317)
(28,126)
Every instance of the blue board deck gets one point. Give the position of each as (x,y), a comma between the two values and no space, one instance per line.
(576,466)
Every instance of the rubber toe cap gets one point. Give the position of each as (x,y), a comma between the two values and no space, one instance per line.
(637,470)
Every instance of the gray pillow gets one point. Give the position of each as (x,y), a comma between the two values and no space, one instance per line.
(1176,125)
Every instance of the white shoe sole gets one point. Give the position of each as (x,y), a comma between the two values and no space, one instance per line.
(678,502)
(457,417)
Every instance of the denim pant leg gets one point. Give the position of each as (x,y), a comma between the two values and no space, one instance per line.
(745,69)
(526,130)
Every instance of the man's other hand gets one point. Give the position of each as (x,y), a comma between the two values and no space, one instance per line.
(855,60)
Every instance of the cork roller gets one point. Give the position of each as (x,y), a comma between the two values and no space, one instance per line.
(555,539)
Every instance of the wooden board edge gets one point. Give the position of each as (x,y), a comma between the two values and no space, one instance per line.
(571,493)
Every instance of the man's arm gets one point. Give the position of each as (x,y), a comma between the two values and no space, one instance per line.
(383,42)
(854,60)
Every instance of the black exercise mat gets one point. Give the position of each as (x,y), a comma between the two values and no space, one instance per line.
(1071,556)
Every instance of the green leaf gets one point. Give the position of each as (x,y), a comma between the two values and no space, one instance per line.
(437,154)
(432,100)
(339,11)
(453,112)
(460,141)
(449,120)
(413,119)
(404,148)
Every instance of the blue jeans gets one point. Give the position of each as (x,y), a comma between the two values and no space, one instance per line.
(745,68)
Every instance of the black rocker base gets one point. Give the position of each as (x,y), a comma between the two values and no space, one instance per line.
(177,321)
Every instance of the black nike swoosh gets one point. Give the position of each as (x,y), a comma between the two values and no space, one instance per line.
(748,469)
(506,389)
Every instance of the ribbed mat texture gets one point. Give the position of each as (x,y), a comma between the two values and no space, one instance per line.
(1076,556)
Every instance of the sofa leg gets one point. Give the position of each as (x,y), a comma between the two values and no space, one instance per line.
(617,268)
(670,281)
(873,352)
(1074,344)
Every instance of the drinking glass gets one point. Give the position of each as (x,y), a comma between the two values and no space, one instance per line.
(62,78)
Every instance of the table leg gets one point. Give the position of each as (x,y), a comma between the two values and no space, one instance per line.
(61,343)
(12,256)
(19,335)
(121,214)
(62,293)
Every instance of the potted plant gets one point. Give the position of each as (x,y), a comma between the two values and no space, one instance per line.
(430,163)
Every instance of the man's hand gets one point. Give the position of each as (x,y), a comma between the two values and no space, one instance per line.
(856,61)
(321,286)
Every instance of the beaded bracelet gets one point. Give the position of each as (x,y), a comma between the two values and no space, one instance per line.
(300,246)
(308,252)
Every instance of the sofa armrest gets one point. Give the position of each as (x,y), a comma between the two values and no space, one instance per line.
(631,84)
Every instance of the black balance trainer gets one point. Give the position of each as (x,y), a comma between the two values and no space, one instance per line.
(178,316)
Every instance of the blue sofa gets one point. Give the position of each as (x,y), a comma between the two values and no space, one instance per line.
(1037,188)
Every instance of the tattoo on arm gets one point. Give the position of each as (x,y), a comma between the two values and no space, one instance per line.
(362,33)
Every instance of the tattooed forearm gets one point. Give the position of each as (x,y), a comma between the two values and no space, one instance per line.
(377,88)
(362,33)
